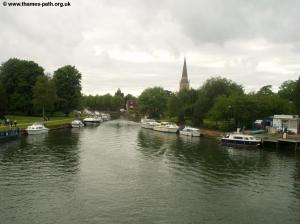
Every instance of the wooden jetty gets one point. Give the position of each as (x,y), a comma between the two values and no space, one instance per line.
(281,142)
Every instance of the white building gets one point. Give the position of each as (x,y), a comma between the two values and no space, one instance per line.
(288,122)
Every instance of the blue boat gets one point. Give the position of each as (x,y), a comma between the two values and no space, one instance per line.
(9,133)
(240,140)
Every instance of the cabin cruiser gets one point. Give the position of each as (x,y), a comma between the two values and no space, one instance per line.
(149,123)
(36,128)
(95,120)
(240,140)
(166,127)
(77,124)
(190,131)
(105,117)
(9,133)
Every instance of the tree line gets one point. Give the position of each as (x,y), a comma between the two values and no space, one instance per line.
(106,102)
(26,89)
(220,102)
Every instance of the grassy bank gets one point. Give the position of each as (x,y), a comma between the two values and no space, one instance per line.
(24,121)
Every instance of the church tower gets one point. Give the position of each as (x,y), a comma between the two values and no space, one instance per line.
(184,82)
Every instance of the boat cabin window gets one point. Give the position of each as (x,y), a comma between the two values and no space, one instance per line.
(237,137)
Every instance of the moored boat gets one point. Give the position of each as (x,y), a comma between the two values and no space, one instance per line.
(166,127)
(77,124)
(149,123)
(95,120)
(190,131)
(105,117)
(240,140)
(9,133)
(36,128)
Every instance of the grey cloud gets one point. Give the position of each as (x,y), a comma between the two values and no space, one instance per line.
(133,44)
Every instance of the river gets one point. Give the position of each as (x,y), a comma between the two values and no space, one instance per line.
(120,173)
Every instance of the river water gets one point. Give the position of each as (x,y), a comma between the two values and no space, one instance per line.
(120,173)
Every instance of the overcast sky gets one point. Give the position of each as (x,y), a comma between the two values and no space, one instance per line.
(135,44)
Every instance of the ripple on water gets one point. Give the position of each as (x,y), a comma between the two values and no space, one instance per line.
(118,171)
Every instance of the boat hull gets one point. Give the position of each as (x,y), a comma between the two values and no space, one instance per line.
(165,129)
(192,134)
(77,125)
(37,132)
(148,126)
(9,134)
(92,122)
(233,142)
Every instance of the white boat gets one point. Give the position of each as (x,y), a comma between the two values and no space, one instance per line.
(240,140)
(166,127)
(149,123)
(105,117)
(190,131)
(95,120)
(77,124)
(36,128)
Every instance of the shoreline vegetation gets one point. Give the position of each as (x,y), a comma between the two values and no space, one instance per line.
(24,121)
(218,105)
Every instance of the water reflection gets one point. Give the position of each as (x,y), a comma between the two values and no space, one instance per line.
(57,150)
(205,158)
(297,177)
(118,171)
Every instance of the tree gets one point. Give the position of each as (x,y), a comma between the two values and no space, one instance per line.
(117,103)
(107,101)
(44,94)
(287,89)
(245,109)
(174,106)
(207,94)
(18,78)
(297,96)
(265,90)
(119,93)
(153,102)
(67,81)
(3,100)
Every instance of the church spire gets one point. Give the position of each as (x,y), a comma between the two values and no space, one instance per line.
(184,70)
(184,82)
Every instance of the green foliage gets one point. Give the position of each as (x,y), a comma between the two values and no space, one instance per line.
(67,80)
(106,102)
(119,93)
(265,90)
(3,100)
(245,109)
(174,106)
(287,89)
(297,96)
(181,105)
(211,89)
(18,78)
(44,94)
(153,102)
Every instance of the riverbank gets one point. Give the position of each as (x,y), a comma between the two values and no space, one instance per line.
(210,133)
(24,121)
